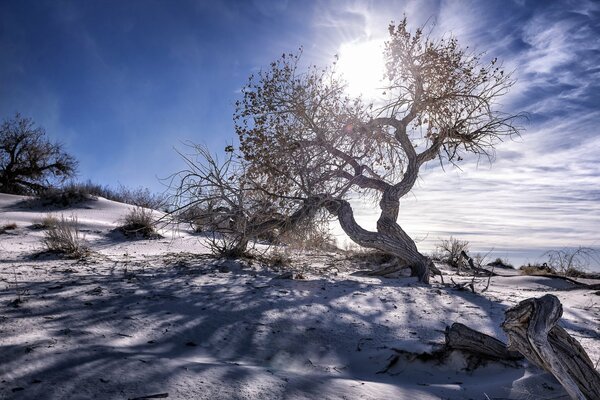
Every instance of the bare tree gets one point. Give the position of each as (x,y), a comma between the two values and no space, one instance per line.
(218,196)
(306,141)
(572,261)
(451,251)
(29,162)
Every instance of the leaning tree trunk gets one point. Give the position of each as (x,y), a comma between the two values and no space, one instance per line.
(532,331)
(389,238)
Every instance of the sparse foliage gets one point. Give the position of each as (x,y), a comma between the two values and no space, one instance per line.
(139,222)
(73,193)
(307,142)
(29,162)
(141,197)
(307,235)
(450,250)
(225,245)
(219,198)
(46,223)
(66,196)
(63,237)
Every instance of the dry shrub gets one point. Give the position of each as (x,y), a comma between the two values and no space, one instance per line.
(63,238)
(573,261)
(140,197)
(449,251)
(8,227)
(374,260)
(500,263)
(74,193)
(370,256)
(309,235)
(537,269)
(139,223)
(279,259)
(224,245)
(46,223)
(66,196)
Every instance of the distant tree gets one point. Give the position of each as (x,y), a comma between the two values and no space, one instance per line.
(29,162)
(309,143)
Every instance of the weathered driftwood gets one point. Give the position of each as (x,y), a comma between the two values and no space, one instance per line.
(461,337)
(532,331)
(468,263)
(477,349)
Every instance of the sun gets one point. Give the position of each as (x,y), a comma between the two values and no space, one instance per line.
(361,65)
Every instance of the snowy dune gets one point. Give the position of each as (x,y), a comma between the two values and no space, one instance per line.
(158,317)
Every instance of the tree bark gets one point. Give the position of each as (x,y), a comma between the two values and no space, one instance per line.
(532,331)
(461,337)
(389,238)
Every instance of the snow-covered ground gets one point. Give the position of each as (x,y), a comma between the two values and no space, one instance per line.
(158,317)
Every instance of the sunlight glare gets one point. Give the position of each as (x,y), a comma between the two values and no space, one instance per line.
(361,65)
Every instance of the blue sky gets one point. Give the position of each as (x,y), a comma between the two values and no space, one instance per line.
(121,83)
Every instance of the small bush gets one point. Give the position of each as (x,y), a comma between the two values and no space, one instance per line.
(572,261)
(74,193)
(228,245)
(309,238)
(63,238)
(8,227)
(66,196)
(140,197)
(47,222)
(139,222)
(500,263)
(449,251)
(537,269)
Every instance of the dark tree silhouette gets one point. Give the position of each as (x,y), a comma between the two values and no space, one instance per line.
(307,142)
(29,162)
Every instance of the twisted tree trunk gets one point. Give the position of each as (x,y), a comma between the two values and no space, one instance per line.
(532,331)
(389,238)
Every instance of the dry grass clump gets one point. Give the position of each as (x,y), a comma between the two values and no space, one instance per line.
(369,256)
(224,245)
(312,241)
(139,223)
(310,235)
(8,227)
(537,269)
(375,262)
(46,223)
(63,238)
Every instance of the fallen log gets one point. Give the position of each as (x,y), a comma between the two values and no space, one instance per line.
(532,331)
(461,337)
(476,348)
